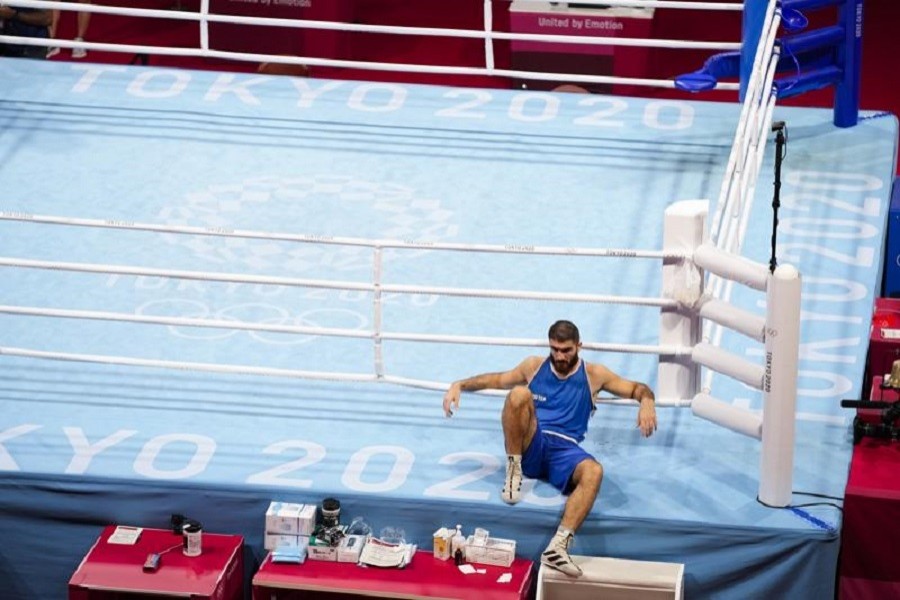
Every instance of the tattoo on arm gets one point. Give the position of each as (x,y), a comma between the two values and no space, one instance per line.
(642,392)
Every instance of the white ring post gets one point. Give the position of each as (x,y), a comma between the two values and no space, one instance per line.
(377,312)
(780,386)
(684,231)
(488,32)
(204,25)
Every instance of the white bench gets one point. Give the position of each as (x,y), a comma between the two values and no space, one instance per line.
(613,579)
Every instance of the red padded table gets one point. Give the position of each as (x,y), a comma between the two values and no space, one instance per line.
(280,40)
(424,577)
(870,568)
(114,570)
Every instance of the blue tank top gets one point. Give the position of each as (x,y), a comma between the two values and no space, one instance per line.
(562,405)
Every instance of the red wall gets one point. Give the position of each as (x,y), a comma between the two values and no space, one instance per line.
(880,86)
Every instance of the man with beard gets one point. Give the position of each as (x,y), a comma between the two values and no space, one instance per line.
(545,417)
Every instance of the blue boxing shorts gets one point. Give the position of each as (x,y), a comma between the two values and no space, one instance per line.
(553,459)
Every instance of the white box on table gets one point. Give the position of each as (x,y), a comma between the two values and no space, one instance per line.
(350,548)
(284,518)
(495,551)
(306,520)
(329,553)
(283,540)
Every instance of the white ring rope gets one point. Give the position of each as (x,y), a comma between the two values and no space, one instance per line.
(393,29)
(759,151)
(271,372)
(377,335)
(335,285)
(676,4)
(376,288)
(755,86)
(782,349)
(350,64)
(342,241)
(189,16)
(732,213)
(334,332)
(740,198)
(204,18)
(187,366)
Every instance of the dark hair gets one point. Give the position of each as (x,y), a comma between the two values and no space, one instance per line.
(564,331)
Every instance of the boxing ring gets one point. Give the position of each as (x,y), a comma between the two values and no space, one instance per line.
(207,274)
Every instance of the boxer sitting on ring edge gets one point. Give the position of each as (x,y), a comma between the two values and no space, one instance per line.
(545,417)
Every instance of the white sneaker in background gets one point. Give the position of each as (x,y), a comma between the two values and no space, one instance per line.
(79,52)
(51,52)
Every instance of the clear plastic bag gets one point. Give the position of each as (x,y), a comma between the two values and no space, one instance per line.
(358,526)
(393,535)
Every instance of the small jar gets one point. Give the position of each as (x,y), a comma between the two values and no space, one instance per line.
(331,512)
(193,539)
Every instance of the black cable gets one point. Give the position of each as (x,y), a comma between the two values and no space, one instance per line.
(784,151)
(831,504)
(806,504)
(779,128)
(816,495)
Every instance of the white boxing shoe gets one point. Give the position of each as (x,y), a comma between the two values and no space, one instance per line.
(512,488)
(556,556)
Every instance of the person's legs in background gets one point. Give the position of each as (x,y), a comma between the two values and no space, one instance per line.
(83,21)
(53,50)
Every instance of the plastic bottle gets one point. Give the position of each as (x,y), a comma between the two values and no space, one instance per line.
(458,546)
